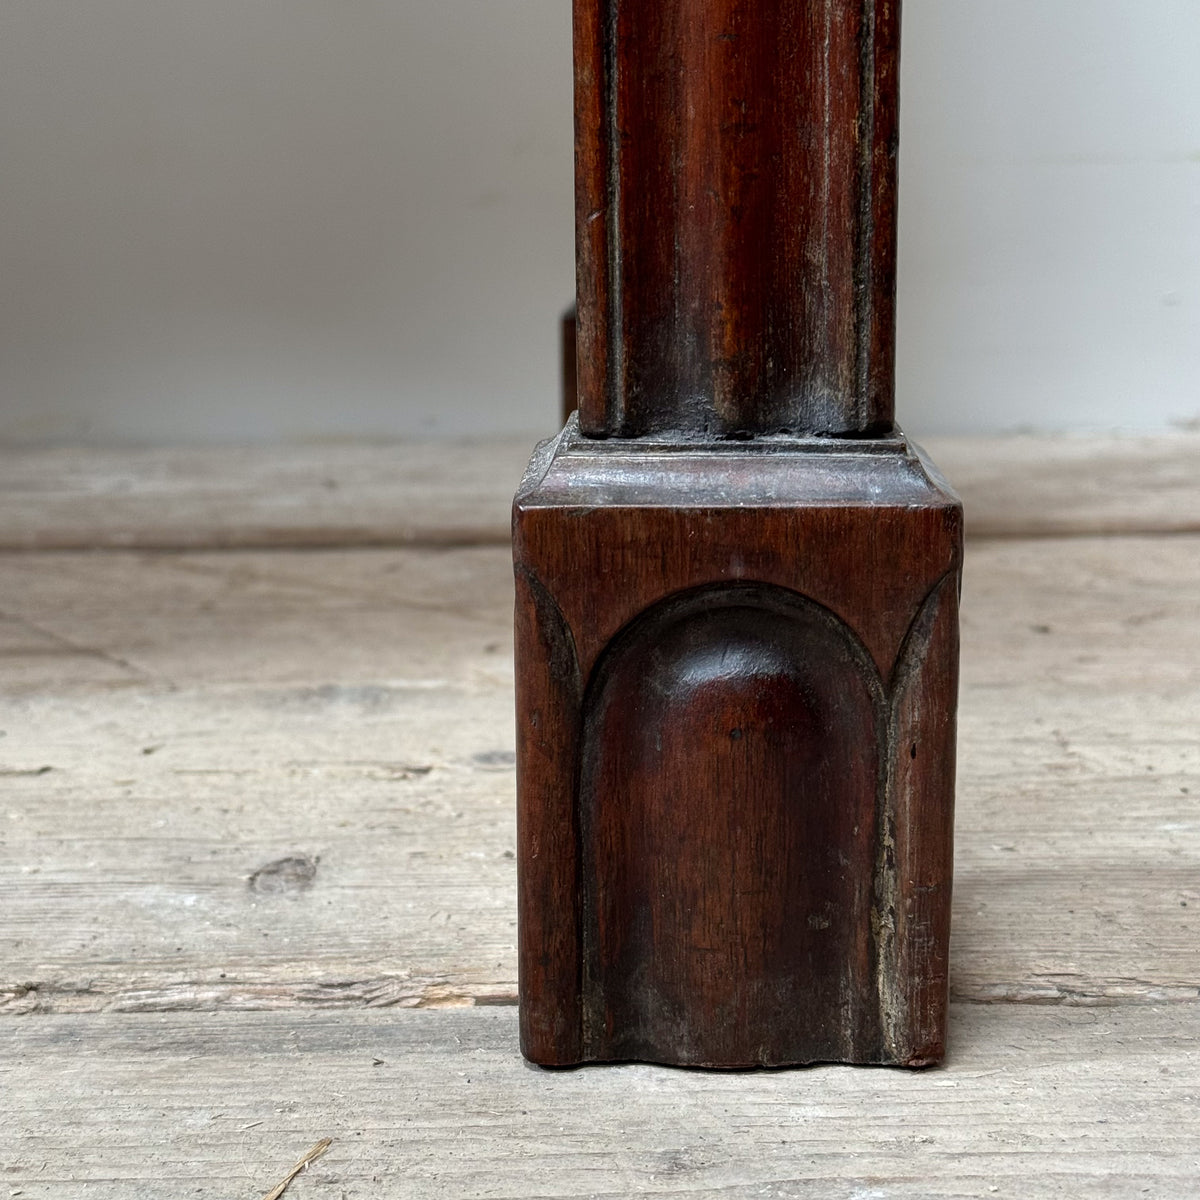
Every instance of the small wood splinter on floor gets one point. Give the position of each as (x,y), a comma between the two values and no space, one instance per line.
(302,1165)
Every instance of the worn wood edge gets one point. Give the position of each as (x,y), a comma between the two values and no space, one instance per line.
(207,996)
(1031,1102)
(459,493)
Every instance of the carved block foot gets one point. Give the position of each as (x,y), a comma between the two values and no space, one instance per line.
(737,677)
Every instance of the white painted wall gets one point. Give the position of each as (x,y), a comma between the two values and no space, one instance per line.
(274,219)
(1050,229)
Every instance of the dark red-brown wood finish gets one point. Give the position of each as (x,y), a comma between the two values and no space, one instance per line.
(736,215)
(737,582)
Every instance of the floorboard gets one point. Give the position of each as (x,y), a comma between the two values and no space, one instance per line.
(1034,1102)
(178,726)
(459,493)
(257,850)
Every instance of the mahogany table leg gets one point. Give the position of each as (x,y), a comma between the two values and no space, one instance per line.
(737,581)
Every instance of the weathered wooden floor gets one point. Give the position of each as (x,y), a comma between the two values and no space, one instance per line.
(257,873)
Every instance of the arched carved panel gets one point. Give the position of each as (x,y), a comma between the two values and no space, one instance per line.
(731,782)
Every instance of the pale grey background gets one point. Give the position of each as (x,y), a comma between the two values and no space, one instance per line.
(294,219)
